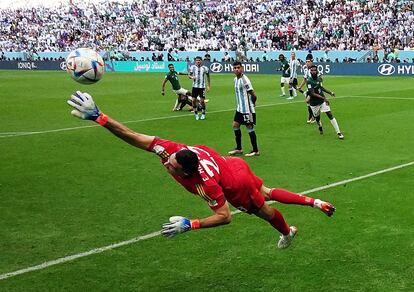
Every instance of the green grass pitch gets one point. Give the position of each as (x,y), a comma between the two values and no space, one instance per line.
(69,188)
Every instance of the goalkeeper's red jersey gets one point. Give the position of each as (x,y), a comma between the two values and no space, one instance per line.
(218,179)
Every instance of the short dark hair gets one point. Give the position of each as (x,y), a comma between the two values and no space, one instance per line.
(237,63)
(309,57)
(170,64)
(198,58)
(188,160)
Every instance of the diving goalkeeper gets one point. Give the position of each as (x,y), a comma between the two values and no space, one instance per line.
(218,180)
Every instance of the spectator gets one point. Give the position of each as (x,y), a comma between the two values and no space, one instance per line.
(211,25)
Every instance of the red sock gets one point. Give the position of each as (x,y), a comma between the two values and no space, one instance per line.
(279,222)
(286,197)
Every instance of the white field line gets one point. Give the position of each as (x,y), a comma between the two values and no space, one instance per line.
(15,134)
(383,97)
(154,234)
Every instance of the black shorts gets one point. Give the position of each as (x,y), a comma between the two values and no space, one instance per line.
(198,92)
(245,119)
(294,82)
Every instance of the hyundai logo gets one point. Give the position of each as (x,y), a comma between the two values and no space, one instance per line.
(386,69)
(216,67)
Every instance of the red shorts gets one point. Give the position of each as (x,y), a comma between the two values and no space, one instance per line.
(245,194)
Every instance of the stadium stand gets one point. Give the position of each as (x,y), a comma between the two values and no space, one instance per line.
(230,25)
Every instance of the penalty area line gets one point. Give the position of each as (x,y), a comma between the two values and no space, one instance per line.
(16,134)
(157,233)
(29,133)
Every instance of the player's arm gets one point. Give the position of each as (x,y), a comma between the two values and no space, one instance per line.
(253,95)
(84,108)
(163,86)
(331,93)
(301,85)
(191,74)
(179,224)
(121,131)
(208,81)
(314,94)
(221,216)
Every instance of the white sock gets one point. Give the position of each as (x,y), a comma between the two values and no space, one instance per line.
(294,92)
(176,104)
(283,90)
(317,203)
(335,125)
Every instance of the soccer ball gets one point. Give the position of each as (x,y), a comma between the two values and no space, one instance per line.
(85,66)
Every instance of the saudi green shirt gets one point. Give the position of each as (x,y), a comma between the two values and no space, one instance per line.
(316,85)
(285,68)
(173,78)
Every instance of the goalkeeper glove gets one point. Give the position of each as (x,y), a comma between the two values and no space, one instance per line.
(85,108)
(177,225)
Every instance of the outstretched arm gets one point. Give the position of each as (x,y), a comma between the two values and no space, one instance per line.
(331,93)
(179,224)
(84,108)
(135,139)
(221,216)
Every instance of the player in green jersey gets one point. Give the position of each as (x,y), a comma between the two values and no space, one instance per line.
(184,96)
(318,102)
(285,79)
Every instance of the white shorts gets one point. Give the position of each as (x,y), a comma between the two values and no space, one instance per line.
(285,80)
(317,109)
(181,91)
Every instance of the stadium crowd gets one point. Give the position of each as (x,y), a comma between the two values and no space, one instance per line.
(211,25)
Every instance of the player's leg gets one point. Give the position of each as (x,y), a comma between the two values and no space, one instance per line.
(189,102)
(334,124)
(316,112)
(184,101)
(194,103)
(237,135)
(294,86)
(290,89)
(311,118)
(282,86)
(250,121)
(287,197)
(253,141)
(177,103)
(203,104)
(275,218)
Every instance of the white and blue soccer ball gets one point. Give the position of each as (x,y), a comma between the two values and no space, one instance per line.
(85,66)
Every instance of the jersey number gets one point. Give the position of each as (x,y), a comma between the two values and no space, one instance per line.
(207,165)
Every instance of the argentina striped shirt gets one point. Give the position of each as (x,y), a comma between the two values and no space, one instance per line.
(200,74)
(294,66)
(243,99)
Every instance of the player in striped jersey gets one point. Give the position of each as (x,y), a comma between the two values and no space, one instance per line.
(306,75)
(200,74)
(245,111)
(293,80)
